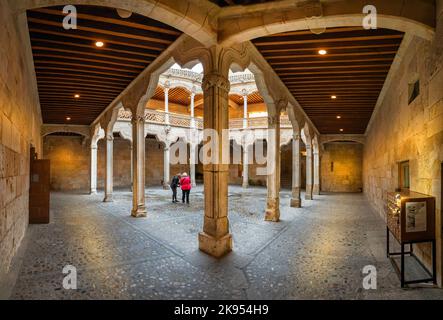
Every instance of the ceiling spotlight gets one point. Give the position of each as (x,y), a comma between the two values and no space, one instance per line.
(125,14)
(338,117)
(76,96)
(322,52)
(333,97)
(341,130)
(99,44)
(68,118)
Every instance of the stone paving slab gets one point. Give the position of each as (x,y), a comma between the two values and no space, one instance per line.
(315,252)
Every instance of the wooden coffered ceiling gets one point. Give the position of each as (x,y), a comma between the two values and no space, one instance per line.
(67,62)
(354,70)
(253,98)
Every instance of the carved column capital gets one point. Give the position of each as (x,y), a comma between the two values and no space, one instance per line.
(296,136)
(109,136)
(215,80)
(281,104)
(273,119)
(137,119)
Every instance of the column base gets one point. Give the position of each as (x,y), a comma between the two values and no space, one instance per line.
(245,185)
(93,192)
(272,215)
(308,196)
(108,198)
(316,189)
(213,246)
(166,187)
(296,203)
(272,210)
(193,184)
(139,212)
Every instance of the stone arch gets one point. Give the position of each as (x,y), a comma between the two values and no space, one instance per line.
(324,139)
(81,130)
(190,17)
(342,13)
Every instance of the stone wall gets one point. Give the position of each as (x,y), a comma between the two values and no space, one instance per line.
(400,131)
(69,162)
(341,167)
(20,124)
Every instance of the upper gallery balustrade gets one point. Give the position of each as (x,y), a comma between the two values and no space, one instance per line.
(185,121)
(240,77)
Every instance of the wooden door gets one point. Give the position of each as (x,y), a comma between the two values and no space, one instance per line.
(39,192)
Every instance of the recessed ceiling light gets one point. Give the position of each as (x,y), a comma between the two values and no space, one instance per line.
(76,96)
(322,52)
(68,118)
(99,44)
(338,117)
(333,97)
(341,130)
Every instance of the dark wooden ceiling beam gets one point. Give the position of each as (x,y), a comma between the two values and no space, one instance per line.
(83,70)
(56,42)
(113,21)
(92,38)
(99,31)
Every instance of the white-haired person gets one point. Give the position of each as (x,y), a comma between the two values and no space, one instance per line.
(185,184)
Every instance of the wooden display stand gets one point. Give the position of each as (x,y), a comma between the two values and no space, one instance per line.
(39,190)
(411,219)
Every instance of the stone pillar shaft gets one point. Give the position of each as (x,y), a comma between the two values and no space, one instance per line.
(166,167)
(296,171)
(245,111)
(109,150)
(273,179)
(245,182)
(132,165)
(138,167)
(309,171)
(167,105)
(192,110)
(215,238)
(192,162)
(316,185)
(93,169)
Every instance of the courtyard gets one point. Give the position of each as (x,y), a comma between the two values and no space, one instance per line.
(314,252)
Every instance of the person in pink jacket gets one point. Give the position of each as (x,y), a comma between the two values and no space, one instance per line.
(185,184)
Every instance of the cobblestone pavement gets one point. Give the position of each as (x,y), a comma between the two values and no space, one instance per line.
(316,252)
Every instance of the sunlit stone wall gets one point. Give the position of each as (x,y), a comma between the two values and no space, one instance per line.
(341,167)
(20,124)
(414,132)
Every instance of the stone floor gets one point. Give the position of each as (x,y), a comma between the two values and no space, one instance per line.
(317,252)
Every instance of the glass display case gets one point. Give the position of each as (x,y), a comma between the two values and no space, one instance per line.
(410,218)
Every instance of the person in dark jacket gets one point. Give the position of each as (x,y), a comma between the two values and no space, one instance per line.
(175,182)
(185,184)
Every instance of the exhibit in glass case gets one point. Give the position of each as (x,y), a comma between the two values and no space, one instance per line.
(410,218)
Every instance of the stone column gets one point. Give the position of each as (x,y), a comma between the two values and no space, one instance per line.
(138,167)
(93,169)
(166,105)
(132,169)
(245,110)
(192,162)
(273,179)
(215,239)
(296,171)
(109,151)
(309,173)
(245,182)
(166,166)
(192,110)
(316,186)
